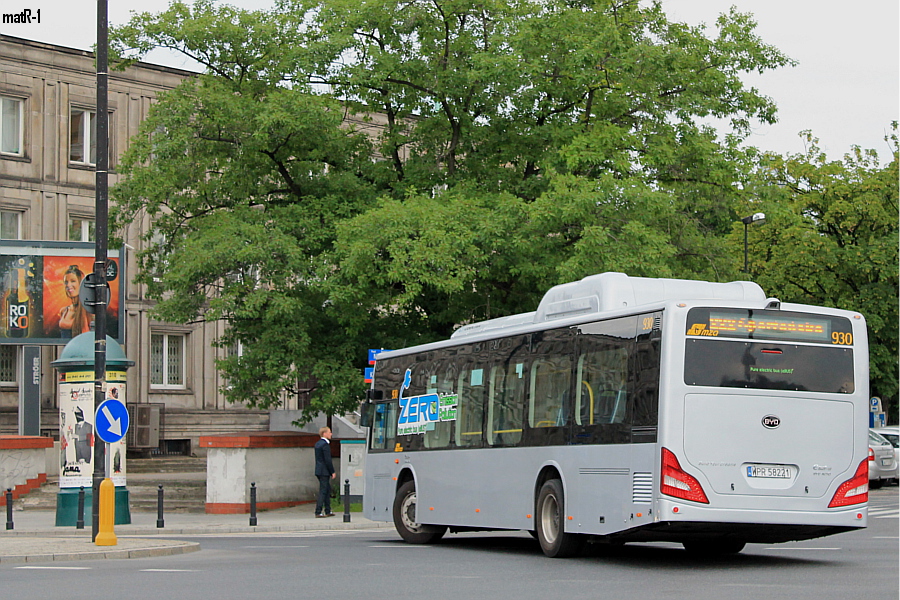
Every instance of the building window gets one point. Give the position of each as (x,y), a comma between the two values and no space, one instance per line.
(10,225)
(11,130)
(83,137)
(81,229)
(167,360)
(8,359)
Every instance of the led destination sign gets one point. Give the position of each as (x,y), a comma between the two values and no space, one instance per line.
(761,324)
(813,329)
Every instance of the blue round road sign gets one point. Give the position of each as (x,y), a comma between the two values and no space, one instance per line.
(111,421)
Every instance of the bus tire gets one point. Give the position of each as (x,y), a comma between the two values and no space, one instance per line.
(550,523)
(711,548)
(405,521)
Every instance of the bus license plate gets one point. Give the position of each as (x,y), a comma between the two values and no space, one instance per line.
(770,471)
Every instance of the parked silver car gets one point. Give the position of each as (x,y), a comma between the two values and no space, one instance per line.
(892,434)
(882,462)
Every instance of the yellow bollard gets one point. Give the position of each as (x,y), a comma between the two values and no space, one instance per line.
(105,534)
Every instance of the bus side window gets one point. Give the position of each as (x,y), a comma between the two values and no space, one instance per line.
(507,403)
(441,382)
(549,387)
(472,385)
(603,391)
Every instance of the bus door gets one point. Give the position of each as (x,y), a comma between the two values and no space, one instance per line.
(380,484)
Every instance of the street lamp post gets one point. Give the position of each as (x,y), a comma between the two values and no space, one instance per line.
(747,221)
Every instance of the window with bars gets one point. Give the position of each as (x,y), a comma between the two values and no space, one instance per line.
(8,360)
(11,126)
(167,360)
(10,225)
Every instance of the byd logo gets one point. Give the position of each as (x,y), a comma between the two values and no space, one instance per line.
(771,421)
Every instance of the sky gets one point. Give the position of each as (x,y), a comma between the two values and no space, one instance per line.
(845,89)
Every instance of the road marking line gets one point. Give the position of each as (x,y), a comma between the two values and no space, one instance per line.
(59,568)
(276,546)
(798,548)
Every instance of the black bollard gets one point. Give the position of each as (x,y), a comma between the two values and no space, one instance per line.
(160,522)
(9,519)
(79,517)
(346,501)
(253,505)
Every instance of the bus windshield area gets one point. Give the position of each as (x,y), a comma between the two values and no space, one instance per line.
(768,366)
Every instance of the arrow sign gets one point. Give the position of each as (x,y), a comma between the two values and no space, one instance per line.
(111,421)
(115,425)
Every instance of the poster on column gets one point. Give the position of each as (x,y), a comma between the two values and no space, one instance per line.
(76,429)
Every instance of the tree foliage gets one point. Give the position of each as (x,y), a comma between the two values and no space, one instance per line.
(523,144)
(831,239)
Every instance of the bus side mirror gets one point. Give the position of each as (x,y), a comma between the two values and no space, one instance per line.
(366,413)
(367,410)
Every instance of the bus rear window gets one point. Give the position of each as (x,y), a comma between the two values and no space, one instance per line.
(768,366)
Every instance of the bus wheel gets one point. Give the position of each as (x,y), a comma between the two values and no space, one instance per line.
(550,523)
(713,547)
(405,518)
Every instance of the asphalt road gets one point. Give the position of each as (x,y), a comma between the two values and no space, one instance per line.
(375,565)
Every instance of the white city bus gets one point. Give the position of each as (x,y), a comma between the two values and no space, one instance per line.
(628,409)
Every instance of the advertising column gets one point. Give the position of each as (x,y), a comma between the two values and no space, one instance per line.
(78,428)
(77,435)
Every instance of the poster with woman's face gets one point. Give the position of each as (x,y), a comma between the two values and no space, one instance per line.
(39,285)
(64,316)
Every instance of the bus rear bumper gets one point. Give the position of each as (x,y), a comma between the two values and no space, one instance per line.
(680,521)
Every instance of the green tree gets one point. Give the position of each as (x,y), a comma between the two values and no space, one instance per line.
(524,143)
(564,136)
(244,173)
(831,239)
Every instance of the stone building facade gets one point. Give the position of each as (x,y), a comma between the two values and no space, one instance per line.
(47,111)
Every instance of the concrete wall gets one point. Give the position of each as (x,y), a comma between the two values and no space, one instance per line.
(281,464)
(23,464)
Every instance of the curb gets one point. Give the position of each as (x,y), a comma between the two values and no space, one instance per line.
(72,549)
(123,531)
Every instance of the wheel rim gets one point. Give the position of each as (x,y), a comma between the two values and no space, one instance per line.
(550,518)
(408,513)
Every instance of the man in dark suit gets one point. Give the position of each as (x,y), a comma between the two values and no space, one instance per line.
(324,472)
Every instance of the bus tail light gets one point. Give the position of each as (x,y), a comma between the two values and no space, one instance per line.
(856,489)
(677,483)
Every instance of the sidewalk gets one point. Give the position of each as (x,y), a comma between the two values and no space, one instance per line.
(35,538)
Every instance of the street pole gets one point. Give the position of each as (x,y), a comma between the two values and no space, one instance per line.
(746,263)
(758,218)
(100,254)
